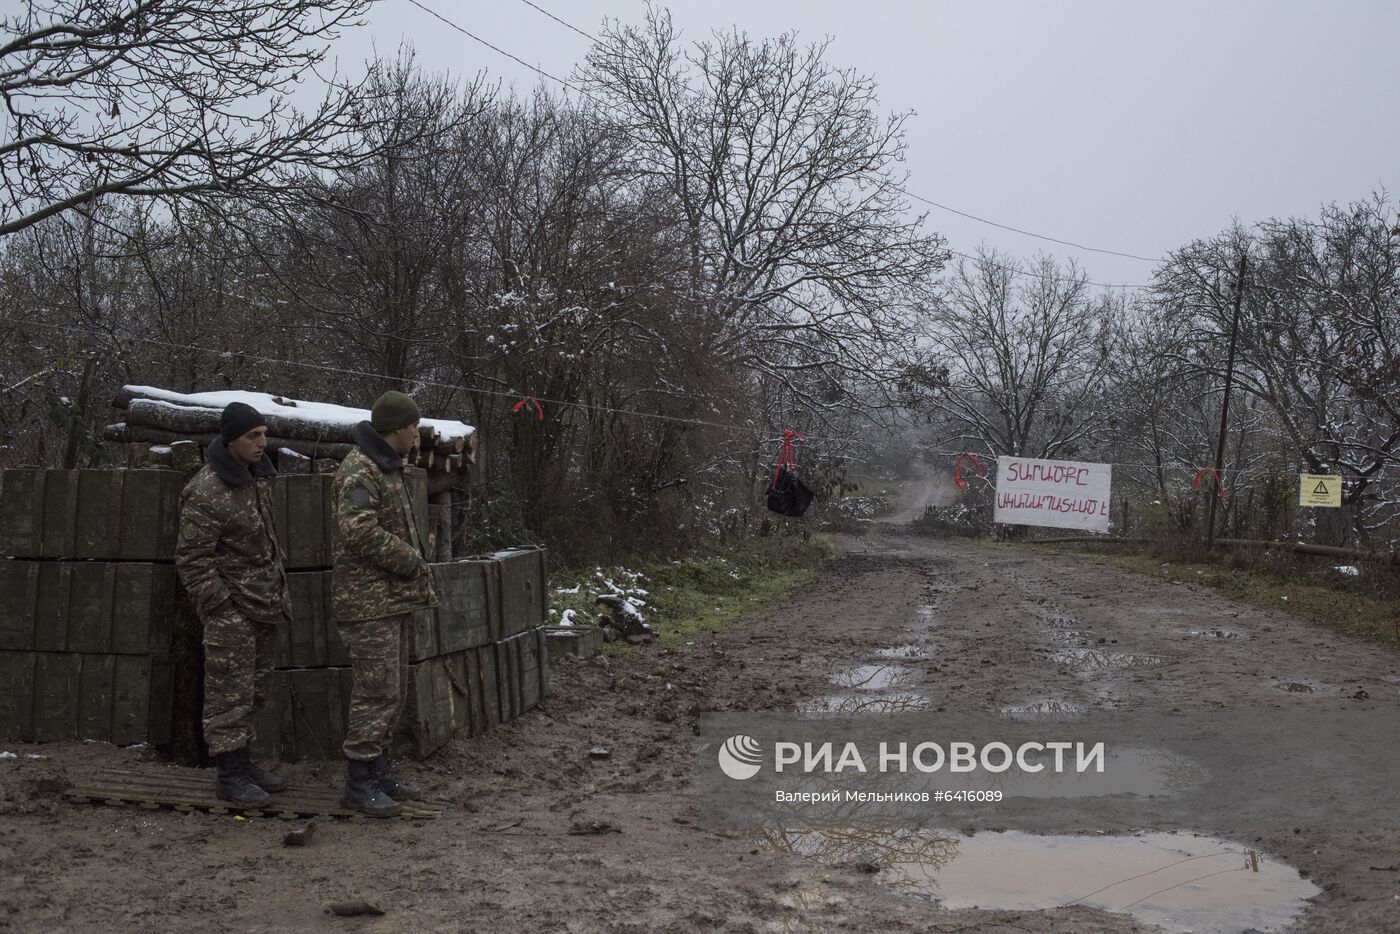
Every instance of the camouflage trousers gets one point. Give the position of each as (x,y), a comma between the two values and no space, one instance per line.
(378,651)
(238,659)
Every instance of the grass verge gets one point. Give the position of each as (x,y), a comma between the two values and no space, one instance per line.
(688,598)
(1363,605)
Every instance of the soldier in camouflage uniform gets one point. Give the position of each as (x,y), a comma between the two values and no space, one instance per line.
(232,566)
(380,579)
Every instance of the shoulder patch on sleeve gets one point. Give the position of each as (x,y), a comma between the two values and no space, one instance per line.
(358,496)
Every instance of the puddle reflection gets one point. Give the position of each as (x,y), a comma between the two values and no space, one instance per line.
(1047,708)
(871,677)
(1098,660)
(894,702)
(1215,633)
(1179,882)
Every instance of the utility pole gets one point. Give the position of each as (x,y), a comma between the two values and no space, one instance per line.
(1225,403)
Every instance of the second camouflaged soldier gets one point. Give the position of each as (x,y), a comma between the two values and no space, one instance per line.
(380,579)
(232,566)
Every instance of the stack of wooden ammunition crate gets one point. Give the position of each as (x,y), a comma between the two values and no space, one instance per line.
(87,604)
(91,617)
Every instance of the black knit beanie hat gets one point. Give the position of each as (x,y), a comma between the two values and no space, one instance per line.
(238,419)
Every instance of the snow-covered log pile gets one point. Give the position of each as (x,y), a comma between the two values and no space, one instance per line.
(297,429)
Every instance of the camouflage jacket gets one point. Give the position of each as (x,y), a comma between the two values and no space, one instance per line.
(228,554)
(380,569)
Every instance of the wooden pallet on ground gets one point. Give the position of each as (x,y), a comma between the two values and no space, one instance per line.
(193,790)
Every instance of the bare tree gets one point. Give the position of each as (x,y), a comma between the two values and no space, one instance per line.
(1017,367)
(365,250)
(1318,336)
(799,247)
(163,98)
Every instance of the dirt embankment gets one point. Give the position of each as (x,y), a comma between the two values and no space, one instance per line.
(541,837)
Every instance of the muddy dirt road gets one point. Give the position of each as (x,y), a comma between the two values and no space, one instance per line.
(539,837)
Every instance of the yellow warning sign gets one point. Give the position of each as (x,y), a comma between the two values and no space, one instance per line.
(1319,489)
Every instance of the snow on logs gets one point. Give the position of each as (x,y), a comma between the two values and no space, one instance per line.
(309,429)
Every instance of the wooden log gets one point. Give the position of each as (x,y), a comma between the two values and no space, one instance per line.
(187,457)
(139,455)
(430,437)
(189,420)
(451,446)
(440,513)
(439,481)
(126,433)
(127,394)
(292,462)
(325,465)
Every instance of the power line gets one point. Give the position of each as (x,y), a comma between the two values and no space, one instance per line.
(347,371)
(565,24)
(495,48)
(1070,243)
(916,197)
(1017,271)
(583,92)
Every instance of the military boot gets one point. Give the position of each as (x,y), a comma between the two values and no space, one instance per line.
(384,771)
(363,793)
(270,782)
(232,782)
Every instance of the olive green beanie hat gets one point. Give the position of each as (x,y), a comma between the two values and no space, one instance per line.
(393,411)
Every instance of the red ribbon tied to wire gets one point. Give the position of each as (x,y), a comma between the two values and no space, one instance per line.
(784,455)
(1219,484)
(533,401)
(957,468)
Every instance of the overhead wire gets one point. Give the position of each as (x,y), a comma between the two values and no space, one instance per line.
(917,197)
(565,23)
(366,374)
(503,394)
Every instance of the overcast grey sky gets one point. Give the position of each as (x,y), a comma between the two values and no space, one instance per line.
(1118,124)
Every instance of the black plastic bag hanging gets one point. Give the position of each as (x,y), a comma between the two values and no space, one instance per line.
(787,494)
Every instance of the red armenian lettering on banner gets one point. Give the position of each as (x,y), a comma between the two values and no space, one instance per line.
(1059,494)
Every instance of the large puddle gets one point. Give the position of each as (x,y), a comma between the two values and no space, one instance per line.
(882,688)
(879,677)
(1099,660)
(1180,882)
(890,703)
(1043,708)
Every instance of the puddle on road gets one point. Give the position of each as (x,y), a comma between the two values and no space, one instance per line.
(1045,708)
(1097,659)
(905,651)
(871,677)
(1180,882)
(894,702)
(1301,686)
(874,688)
(1216,633)
(870,689)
